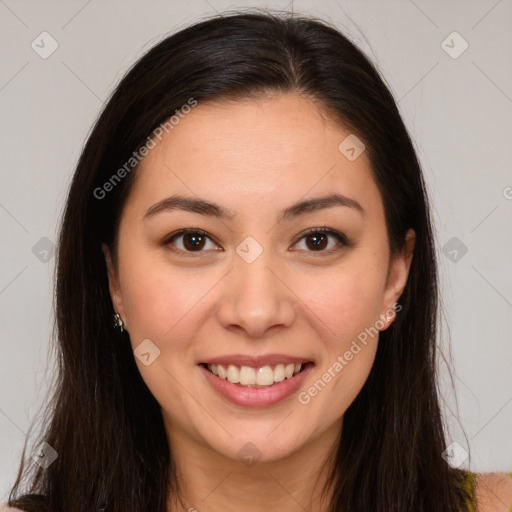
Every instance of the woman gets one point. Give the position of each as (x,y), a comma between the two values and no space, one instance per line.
(250,210)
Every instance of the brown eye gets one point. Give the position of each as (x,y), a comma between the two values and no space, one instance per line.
(317,240)
(190,241)
(193,241)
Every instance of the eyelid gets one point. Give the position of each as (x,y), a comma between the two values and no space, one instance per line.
(340,237)
(167,241)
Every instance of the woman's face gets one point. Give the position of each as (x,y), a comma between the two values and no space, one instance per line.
(252,290)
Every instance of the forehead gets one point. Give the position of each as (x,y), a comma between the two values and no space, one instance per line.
(275,149)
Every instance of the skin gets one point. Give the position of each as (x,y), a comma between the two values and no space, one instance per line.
(255,158)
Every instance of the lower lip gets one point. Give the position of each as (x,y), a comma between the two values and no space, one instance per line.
(256,397)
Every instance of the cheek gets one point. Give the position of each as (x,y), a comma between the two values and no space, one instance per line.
(149,300)
(345,309)
(346,301)
(165,306)
(165,303)
(347,354)
(155,301)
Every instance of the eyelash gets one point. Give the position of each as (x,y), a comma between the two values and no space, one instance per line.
(340,238)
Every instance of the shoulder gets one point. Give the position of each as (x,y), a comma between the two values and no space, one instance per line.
(494,492)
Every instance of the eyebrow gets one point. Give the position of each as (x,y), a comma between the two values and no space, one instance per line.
(203,207)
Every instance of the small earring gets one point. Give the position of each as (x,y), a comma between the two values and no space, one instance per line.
(391,317)
(388,316)
(118,322)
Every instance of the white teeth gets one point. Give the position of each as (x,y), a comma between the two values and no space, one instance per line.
(221,370)
(233,374)
(248,376)
(265,376)
(279,373)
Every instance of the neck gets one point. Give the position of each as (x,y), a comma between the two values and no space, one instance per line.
(210,482)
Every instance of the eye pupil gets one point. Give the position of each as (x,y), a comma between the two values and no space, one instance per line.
(196,239)
(315,241)
(318,244)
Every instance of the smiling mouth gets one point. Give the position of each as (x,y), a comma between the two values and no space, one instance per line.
(261,377)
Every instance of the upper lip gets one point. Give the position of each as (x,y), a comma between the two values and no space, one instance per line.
(255,361)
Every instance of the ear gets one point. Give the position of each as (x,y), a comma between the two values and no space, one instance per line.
(397,278)
(113,283)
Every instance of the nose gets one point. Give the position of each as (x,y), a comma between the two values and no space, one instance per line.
(256,300)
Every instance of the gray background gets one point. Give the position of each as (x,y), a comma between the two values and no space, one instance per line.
(458,111)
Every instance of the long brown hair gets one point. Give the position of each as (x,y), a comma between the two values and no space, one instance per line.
(102,420)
